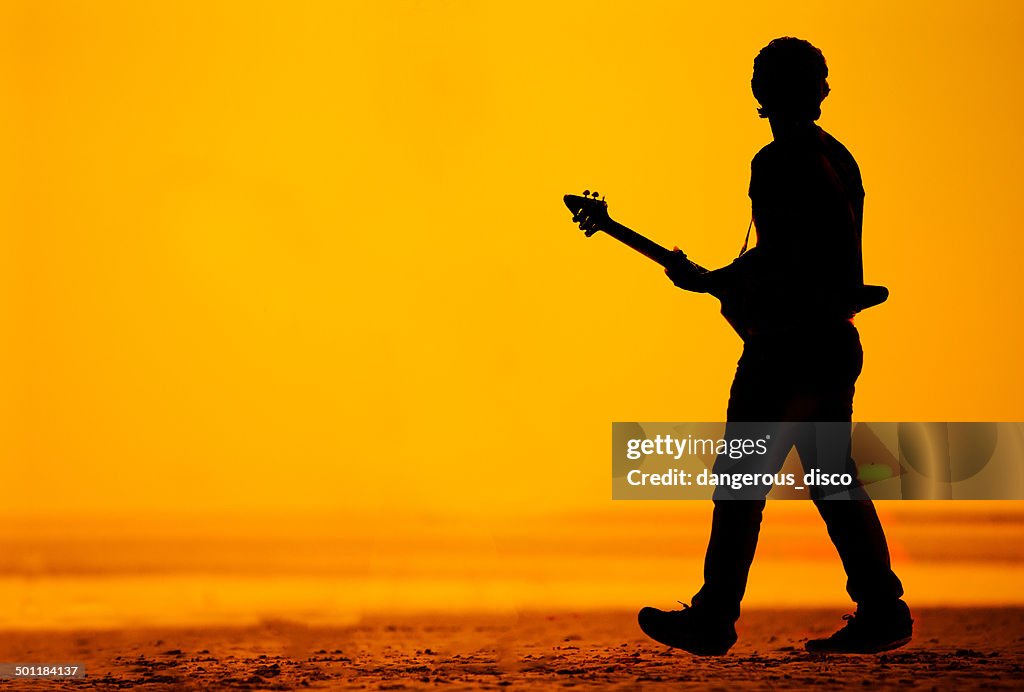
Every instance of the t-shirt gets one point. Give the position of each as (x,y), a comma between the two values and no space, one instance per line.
(808,202)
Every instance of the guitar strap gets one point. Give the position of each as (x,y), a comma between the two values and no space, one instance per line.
(746,241)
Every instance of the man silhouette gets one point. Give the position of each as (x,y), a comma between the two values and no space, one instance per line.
(801,357)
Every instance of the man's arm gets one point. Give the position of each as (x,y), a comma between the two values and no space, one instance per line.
(743,271)
(752,267)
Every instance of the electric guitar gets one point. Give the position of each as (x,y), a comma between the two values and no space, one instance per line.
(592,216)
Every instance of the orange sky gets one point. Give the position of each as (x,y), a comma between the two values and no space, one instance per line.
(314,256)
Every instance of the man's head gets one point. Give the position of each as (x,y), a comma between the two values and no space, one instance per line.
(790,80)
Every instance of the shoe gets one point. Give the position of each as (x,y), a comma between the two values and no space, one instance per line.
(689,629)
(868,632)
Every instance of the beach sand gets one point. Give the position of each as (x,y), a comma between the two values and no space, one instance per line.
(953,648)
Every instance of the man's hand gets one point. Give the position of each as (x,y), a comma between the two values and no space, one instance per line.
(685,274)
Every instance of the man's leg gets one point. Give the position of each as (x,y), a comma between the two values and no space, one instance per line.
(708,628)
(857,534)
(882,620)
(736,521)
(849,514)
(735,525)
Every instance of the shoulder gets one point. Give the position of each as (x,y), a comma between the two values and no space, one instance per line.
(764,169)
(766,157)
(838,151)
(840,160)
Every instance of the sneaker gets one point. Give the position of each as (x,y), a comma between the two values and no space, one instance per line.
(868,632)
(689,629)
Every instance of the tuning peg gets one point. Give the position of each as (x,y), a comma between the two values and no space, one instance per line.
(594,194)
(586,193)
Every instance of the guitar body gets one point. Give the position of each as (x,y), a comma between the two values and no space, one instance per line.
(591,214)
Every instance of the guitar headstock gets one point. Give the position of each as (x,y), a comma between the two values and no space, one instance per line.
(588,211)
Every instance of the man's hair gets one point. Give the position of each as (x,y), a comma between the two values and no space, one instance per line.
(790,79)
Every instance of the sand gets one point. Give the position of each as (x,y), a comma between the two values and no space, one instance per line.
(953,648)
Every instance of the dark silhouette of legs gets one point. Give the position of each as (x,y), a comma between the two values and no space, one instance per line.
(805,379)
(735,525)
(857,534)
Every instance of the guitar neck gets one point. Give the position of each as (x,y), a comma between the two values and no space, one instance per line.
(646,247)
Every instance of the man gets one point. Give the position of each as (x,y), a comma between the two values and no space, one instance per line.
(797,291)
